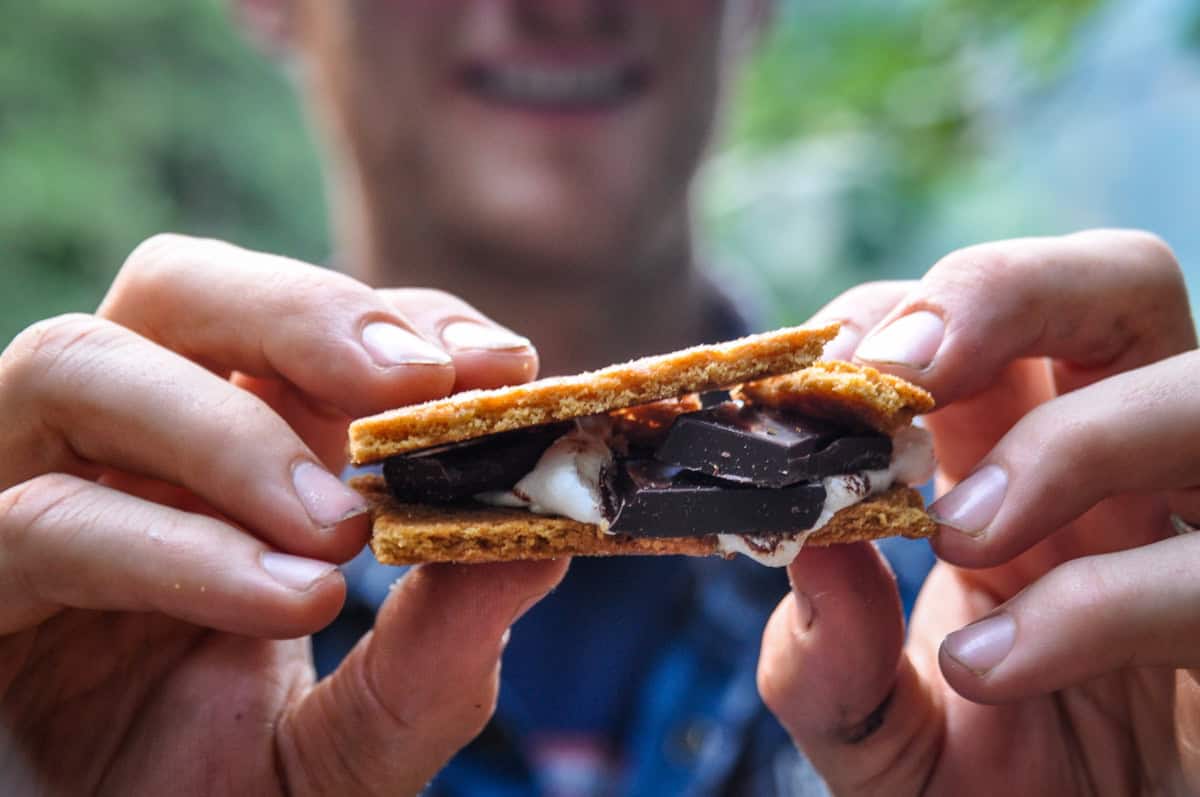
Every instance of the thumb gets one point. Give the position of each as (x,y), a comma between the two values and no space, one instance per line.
(833,672)
(420,686)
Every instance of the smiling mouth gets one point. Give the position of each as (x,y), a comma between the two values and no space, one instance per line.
(566,88)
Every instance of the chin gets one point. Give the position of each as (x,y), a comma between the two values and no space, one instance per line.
(553,232)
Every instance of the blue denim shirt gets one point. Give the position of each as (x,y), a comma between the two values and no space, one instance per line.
(691,721)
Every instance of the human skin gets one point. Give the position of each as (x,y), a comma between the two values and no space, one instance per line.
(553,218)
(1067,369)
(169,518)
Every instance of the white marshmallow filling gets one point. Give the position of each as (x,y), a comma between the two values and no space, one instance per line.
(566,482)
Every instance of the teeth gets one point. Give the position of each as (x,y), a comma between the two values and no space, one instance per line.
(555,86)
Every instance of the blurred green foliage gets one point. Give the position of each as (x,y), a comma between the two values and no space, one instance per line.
(124,118)
(900,68)
(906,77)
(129,117)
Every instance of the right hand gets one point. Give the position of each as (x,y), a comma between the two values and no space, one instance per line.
(169,520)
(1054,649)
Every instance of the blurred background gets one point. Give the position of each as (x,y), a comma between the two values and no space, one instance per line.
(870,137)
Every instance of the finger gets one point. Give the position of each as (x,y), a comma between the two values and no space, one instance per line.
(66,542)
(968,429)
(82,389)
(858,310)
(236,310)
(485,354)
(322,427)
(1137,431)
(833,672)
(1085,618)
(1101,302)
(421,686)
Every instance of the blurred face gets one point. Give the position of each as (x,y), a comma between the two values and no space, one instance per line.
(552,134)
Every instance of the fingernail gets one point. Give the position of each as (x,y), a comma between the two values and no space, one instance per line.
(390,345)
(982,645)
(326,500)
(470,335)
(294,572)
(910,341)
(973,504)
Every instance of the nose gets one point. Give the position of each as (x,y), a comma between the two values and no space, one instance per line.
(572,18)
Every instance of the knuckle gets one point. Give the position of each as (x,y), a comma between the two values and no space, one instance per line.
(309,295)
(148,266)
(1154,251)
(1081,584)
(981,269)
(1156,257)
(1157,306)
(163,247)
(32,509)
(1070,439)
(39,351)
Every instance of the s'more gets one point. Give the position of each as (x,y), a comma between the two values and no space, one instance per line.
(752,446)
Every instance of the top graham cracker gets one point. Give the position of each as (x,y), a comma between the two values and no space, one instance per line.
(480,412)
(856,395)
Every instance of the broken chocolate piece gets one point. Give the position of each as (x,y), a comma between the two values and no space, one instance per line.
(460,470)
(646,498)
(768,447)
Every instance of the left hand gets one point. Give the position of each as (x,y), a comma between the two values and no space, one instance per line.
(1070,432)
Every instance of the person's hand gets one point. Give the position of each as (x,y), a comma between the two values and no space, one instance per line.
(169,510)
(1070,434)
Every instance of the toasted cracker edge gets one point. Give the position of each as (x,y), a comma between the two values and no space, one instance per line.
(479,412)
(406,534)
(854,394)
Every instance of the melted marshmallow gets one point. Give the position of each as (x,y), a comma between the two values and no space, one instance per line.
(566,482)
(912,463)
